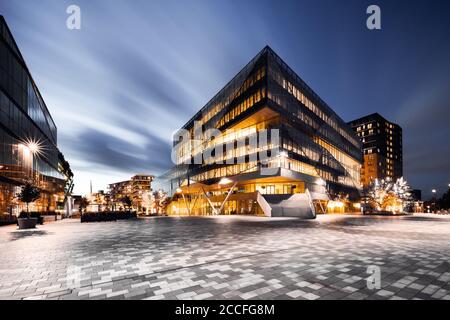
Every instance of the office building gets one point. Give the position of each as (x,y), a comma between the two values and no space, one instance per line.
(28,136)
(310,163)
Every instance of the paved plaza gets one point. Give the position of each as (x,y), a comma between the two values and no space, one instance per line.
(228,258)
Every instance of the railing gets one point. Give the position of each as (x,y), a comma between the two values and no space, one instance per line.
(264,205)
(310,201)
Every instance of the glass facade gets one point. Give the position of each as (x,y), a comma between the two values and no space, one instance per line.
(28,135)
(317,150)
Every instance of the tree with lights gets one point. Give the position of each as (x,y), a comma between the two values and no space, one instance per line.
(160,200)
(146,201)
(387,195)
(83,204)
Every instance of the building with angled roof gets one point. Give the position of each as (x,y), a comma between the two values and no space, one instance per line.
(310,164)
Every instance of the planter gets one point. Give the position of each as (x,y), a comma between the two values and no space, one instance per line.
(105,216)
(27,223)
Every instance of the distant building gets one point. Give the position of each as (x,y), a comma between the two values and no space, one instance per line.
(416,195)
(99,201)
(382,146)
(138,189)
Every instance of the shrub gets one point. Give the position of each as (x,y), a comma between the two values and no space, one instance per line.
(28,194)
(106,216)
(6,219)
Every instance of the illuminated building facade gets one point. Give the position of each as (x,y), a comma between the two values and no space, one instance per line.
(313,158)
(138,189)
(382,146)
(28,136)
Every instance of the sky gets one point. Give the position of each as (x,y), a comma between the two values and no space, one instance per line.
(138,70)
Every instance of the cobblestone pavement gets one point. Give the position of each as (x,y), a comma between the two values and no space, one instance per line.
(228,258)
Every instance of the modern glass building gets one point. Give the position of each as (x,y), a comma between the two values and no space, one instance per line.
(28,136)
(311,163)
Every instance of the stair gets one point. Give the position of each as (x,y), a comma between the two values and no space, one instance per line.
(291,205)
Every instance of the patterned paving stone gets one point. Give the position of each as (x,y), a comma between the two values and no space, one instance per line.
(229,258)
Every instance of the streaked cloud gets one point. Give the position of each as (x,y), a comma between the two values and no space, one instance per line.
(138,70)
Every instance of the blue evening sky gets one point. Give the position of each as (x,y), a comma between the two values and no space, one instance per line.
(138,70)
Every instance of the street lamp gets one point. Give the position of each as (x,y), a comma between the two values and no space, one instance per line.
(34,147)
(225,181)
(434,200)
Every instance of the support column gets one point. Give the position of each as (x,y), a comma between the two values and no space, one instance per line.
(226,198)
(210,203)
(185,202)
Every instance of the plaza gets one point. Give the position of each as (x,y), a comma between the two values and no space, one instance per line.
(228,257)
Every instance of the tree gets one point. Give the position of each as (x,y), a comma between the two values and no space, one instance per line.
(108,201)
(67,172)
(160,200)
(444,201)
(387,195)
(127,202)
(84,202)
(28,194)
(146,201)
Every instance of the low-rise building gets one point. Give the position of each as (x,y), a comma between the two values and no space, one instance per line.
(138,189)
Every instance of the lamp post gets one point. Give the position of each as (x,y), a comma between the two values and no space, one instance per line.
(433,204)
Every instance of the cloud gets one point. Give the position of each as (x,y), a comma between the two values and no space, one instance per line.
(141,77)
(104,151)
(133,74)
